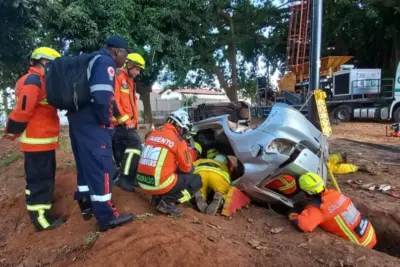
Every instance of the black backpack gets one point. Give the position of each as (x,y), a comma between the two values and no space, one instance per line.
(67,81)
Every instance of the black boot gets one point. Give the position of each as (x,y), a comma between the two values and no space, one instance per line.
(125,183)
(169,208)
(86,208)
(155,200)
(119,221)
(44,221)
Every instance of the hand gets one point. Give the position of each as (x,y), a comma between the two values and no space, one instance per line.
(9,136)
(293,216)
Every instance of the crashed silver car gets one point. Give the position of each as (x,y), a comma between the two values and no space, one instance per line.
(285,143)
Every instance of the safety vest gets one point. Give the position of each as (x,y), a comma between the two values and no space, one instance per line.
(125,99)
(43,124)
(213,166)
(164,152)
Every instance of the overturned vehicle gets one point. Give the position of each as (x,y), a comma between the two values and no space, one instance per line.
(285,143)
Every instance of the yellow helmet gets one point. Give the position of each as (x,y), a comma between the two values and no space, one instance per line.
(311,183)
(211,153)
(137,60)
(198,147)
(45,52)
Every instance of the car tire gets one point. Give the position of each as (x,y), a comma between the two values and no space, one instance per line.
(396,115)
(343,113)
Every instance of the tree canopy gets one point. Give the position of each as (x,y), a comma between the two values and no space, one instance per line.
(192,42)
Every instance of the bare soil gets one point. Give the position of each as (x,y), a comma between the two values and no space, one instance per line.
(245,239)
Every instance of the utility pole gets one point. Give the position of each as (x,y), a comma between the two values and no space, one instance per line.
(315,57)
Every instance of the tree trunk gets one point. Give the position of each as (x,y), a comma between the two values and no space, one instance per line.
(233,95)
(148,117)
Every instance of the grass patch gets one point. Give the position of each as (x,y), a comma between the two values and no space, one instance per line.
(89,240)
(10,158)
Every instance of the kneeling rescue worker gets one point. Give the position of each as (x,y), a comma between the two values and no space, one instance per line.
(126,141)
(166,166)
(91,134)
(333,212)
(215,178)
(38,125)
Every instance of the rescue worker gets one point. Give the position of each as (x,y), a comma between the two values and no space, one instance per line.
(91,134)
(38,126)
(333,212)
(338,164)
(284,184)
(215,178)
(126,141)
(166,166)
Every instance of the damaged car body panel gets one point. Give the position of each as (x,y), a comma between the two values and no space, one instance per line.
(285,143)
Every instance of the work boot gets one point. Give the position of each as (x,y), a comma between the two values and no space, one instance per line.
(169,208)
(52,221)
(86,208)
(200,202)
(124,183)
(215,204)
(155,200)
(118,221)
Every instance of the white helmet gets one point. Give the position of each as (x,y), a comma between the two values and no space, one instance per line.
(221,158)
(180,118)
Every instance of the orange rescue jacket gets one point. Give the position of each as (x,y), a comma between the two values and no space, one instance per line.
(125,109)
(33,118)
(164,152)
(336,213)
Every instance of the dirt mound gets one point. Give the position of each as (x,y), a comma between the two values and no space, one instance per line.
(253,237)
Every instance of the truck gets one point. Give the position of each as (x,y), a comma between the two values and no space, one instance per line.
(351,93)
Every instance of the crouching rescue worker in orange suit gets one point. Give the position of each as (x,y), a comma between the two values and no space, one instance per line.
(126,141)
(38,125)
(333,212)
(166,166)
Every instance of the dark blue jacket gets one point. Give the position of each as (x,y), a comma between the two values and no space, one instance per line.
(101,83)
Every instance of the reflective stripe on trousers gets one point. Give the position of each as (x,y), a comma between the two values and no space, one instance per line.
(41,210)
(128,162)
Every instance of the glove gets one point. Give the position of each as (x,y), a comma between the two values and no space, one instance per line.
(293,216)
(129,124)
(9,136)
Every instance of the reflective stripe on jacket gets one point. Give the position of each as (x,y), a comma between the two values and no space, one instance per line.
(33,118)
(213,166)
(164,152)
(126,108)
(285,184)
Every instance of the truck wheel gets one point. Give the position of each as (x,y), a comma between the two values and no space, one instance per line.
(343,113)
(396,115)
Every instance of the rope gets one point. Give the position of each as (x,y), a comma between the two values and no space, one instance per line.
(308,99)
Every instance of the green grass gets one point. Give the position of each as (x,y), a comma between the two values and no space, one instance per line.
(10,158)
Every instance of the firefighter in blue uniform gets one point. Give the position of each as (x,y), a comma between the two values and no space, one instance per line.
(91,137)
